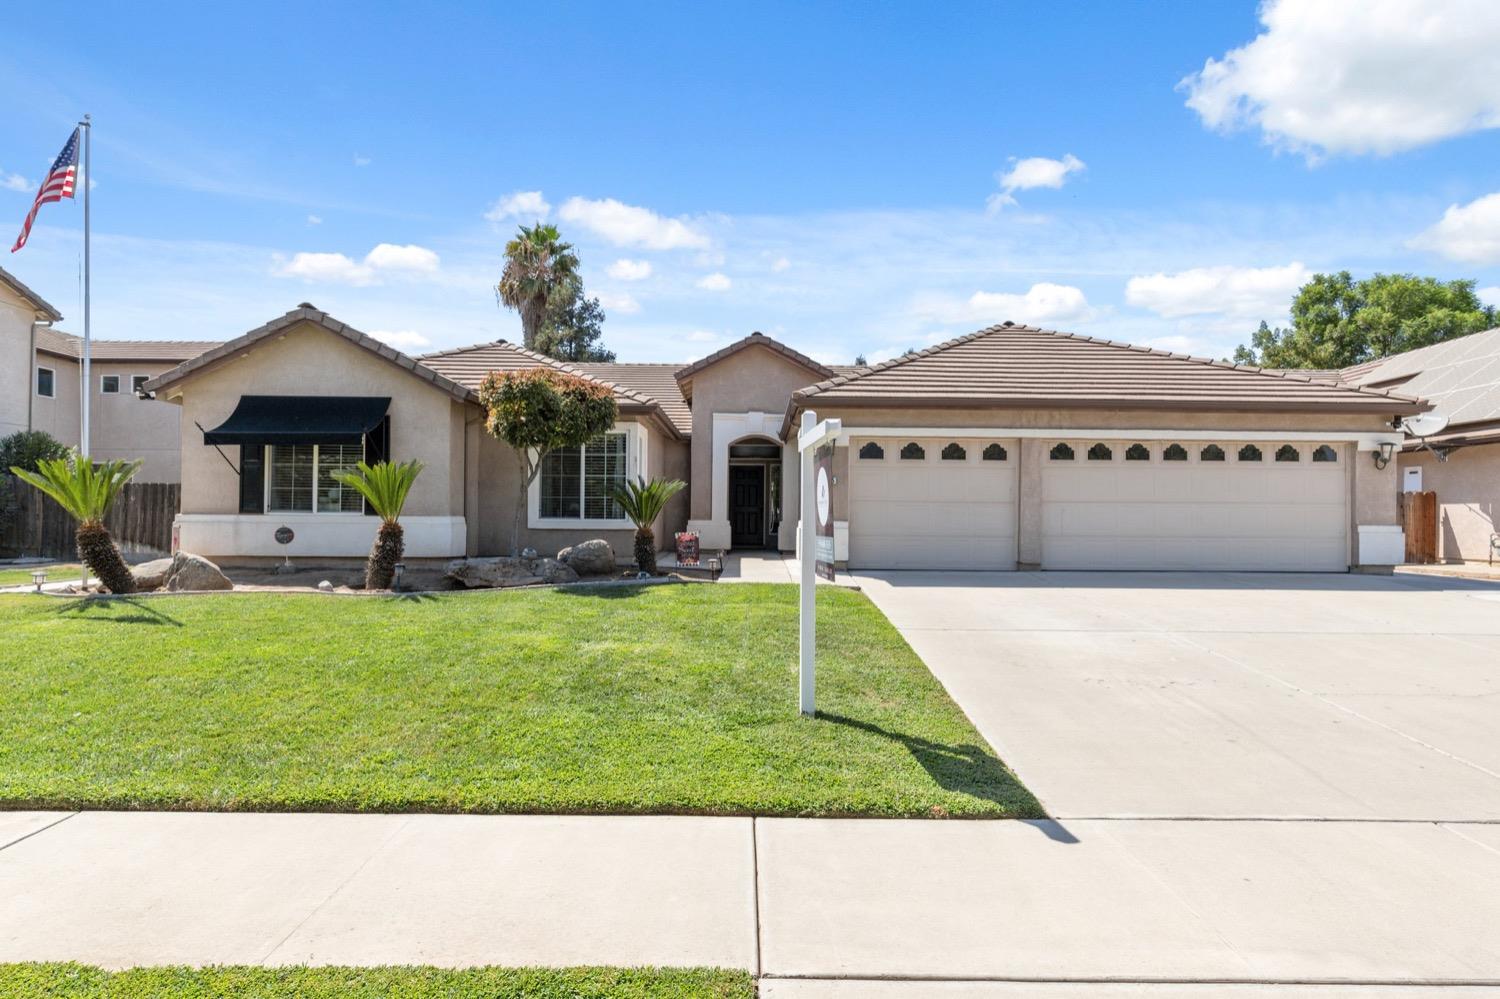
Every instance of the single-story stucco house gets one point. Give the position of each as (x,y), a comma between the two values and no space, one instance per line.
(1013,446)
(1460,463)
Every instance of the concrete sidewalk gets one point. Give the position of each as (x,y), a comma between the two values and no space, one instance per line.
(804,903)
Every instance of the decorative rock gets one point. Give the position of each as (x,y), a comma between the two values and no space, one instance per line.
(528,553)
(325,586)
(194,572)
(590,558)
(151,575)
(478,573)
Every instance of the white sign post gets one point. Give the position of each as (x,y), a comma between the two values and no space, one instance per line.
(812,435)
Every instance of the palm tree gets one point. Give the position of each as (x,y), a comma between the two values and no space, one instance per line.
(537,263)
(643,502)
(384,486)
(86,491)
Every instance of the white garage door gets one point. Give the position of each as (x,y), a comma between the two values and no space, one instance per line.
(929,503)
(1194,505)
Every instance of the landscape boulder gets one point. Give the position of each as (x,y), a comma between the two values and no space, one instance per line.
(478,573)
(194,572)
(151,575)
(589,558)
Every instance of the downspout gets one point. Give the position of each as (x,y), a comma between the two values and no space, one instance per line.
(31,381)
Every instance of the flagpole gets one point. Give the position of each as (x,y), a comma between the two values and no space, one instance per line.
(88,385)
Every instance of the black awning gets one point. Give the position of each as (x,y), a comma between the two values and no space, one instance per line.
(300,419)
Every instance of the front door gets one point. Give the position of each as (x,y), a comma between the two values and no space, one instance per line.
(747,506)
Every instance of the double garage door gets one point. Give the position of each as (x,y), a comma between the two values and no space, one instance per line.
(929,503)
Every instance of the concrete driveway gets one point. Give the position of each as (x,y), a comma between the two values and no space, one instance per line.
(1231,695)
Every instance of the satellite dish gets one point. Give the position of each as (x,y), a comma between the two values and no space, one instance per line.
(1424,424)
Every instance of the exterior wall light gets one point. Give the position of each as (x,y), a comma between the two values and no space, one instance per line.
(1383,456)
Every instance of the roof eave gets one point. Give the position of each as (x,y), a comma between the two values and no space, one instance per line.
(1389,406)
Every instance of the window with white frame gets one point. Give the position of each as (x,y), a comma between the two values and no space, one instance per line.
(300,478)
(577,483)
(46,382)
(109,384)
(137,382)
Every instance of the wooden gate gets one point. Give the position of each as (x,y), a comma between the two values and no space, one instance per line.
(1419,519)
(140,520)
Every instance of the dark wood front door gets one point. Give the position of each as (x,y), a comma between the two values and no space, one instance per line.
(747,506)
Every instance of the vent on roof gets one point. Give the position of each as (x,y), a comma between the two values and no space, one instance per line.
(306,305)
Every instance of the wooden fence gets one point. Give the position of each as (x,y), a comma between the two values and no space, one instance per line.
(141,520)
(1419,519)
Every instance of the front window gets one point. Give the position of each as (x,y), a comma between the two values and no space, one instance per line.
(109,384)
(301,478)
(46,382)
(577,483)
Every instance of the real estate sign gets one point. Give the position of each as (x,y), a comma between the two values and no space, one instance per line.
(823,484)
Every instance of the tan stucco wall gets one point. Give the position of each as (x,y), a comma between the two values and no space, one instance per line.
(127,427)
(16,318)
(426,422)
(59,415)
(755,379)
(494,491)
(1468,493)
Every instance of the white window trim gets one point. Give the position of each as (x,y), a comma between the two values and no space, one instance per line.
(35,387)
(635,463)
(315,512)
(134,390)
(1365,440)
(103,390)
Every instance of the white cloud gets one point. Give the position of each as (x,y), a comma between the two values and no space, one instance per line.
(14,182)
(780,264)
(315,220)
(1250,293)
(1470,233)
(629,270)
(621,303)
(715,282)
(703,336)
(1489,296)
(629,225)
(518,204)
(1030,173)
(1358,76)
(1043,303)
(336,268)
(362,161)
(406,341)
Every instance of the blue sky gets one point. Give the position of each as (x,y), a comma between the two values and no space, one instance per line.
(854,178)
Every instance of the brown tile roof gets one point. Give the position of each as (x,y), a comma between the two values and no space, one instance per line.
(1460,377)
(1011,365)
(56,341)
(41,305)
(685,374)
(655,380)
(225,351)
(468,365)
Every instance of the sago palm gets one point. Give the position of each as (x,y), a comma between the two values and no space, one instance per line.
(643,502)
(86,491)
(384,485)
(537,263)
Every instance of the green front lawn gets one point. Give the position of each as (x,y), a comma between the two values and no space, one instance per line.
(58,572)
(76,981)
(639,699)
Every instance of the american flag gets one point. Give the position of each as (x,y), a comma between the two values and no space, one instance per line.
(57,185)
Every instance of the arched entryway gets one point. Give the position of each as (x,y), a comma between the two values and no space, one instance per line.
(754,492)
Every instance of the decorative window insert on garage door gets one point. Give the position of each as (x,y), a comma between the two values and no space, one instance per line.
(1181,505)
(932,503)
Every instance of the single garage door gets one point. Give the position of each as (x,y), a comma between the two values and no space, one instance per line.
(1229,505)
(932,503)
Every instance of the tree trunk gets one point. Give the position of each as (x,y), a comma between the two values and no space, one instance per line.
(528,472)
(645,550)
(532,314)
(380,567)
(96,549)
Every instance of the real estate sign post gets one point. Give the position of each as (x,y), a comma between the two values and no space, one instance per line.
(816,485)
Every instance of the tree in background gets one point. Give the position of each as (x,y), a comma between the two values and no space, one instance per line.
(87,491)
(573,327)
(540,410)
(537,264)
(384,485)
(642,502)
(25,448)
(1338,321)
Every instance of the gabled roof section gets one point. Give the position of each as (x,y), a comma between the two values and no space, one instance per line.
(685,374)
(44,308)
(306,313)
(51,340)
(1460,377)
(468,366)
(1013,365)
(656,380)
